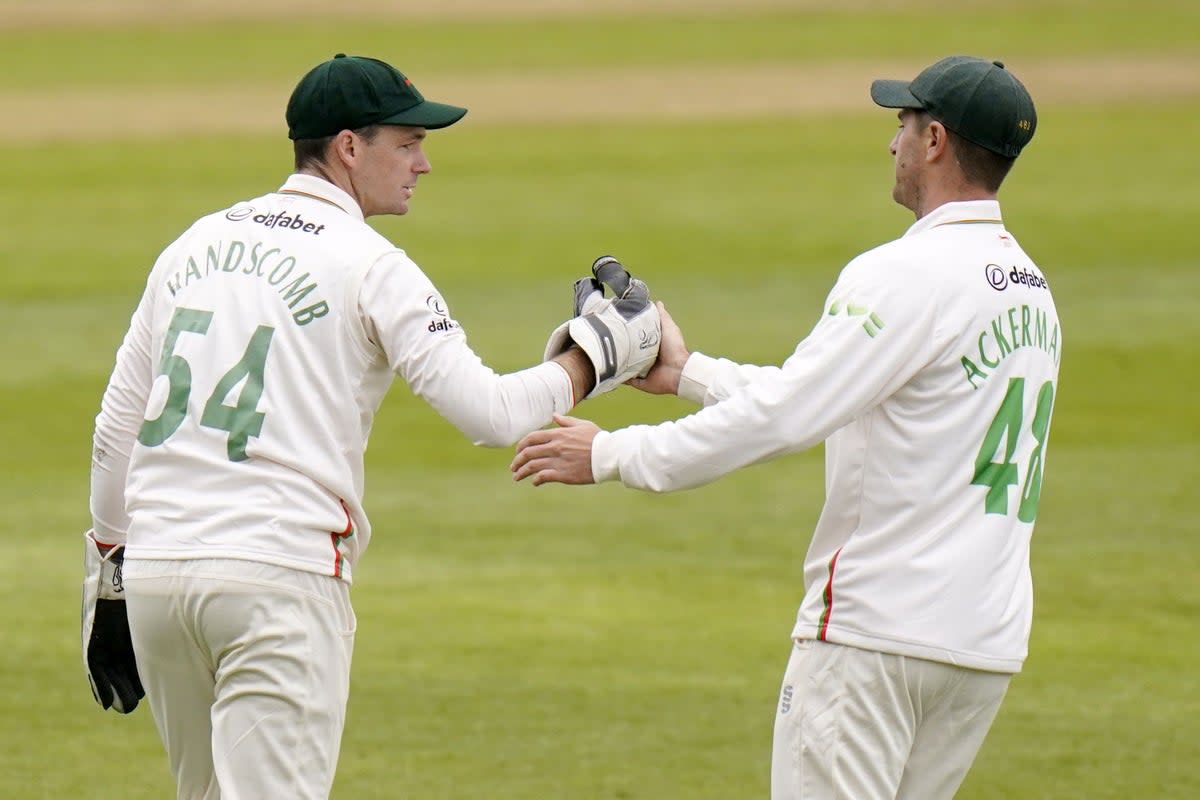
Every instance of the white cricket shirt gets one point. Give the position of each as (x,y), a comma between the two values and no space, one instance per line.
(931,377)
(235,420)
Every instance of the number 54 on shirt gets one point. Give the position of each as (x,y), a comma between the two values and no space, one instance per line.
(243,419)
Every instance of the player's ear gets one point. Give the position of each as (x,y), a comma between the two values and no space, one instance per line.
(937,140)
(344,147)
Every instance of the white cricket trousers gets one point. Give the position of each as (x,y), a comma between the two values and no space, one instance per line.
(855,724)
(247,670)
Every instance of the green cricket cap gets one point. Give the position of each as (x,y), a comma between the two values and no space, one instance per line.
(351,92)
(978,99)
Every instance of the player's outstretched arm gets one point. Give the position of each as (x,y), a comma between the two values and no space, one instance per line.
(557,455)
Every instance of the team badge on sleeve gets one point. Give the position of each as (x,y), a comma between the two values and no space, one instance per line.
(441,320)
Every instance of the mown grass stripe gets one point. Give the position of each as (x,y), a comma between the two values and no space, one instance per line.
(662,93)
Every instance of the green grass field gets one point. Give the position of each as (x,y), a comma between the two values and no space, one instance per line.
(599,643)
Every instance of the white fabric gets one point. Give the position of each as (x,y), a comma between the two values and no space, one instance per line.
(246,667)
(862,725)
(346,310)
(905,558)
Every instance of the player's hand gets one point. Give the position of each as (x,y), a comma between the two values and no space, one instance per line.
(619,335)
(557,455)
(107,648)
(663,377)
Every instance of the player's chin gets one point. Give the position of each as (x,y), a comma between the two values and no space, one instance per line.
(400,205)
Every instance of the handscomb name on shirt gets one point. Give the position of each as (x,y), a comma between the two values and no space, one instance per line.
(273,266)
(1007,334)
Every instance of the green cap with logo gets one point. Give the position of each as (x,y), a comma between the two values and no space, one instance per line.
(978,99)
(351,92)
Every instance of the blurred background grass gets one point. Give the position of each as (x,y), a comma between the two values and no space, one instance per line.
(600,643)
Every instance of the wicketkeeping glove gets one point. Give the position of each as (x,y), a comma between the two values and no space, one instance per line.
(620,335)
(107,649)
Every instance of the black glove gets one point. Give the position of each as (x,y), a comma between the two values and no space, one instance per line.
(107,648)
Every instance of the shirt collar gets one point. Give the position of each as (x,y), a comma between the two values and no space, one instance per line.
(963,212)
(323,190)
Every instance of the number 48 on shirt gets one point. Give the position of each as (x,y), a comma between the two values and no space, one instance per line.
(242,420)
(997,476)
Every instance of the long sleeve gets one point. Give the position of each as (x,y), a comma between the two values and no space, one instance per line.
(436,362)
(876,332)
(122,410)
(706,380)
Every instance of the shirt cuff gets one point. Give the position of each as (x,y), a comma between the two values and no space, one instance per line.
(563,391)
(605,458)
(696,376)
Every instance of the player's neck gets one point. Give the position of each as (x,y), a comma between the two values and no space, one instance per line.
(338,177)
(328,174)
(936,196)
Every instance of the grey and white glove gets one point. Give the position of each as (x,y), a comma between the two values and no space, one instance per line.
(107,648)
(620,335)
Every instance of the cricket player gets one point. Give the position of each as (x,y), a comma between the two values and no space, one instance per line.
(227,472)
(930,377)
